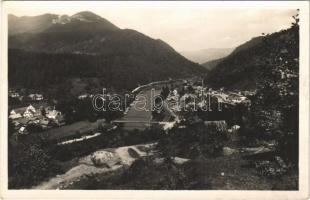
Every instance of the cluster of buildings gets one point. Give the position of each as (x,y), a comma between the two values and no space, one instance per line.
(85,96)
(37,112)
(32,97)
(190,95)
(231,98)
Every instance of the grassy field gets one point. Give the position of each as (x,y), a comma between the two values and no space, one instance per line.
(77,128)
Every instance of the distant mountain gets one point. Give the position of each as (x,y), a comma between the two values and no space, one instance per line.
(86,45)
(205,55)
(241,69)
(212,64)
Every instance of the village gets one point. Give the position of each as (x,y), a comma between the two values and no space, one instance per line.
(191,96)
(35,114)
(102,101)
(185,95)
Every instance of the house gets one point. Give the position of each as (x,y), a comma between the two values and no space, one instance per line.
(220,125)
(17,113)
(84,96)
(22,130)
(31,112)
(13,115)
(14,94)
(36,97)
(56,116)
(53,114)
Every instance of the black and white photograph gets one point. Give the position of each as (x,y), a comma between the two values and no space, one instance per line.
(153,96)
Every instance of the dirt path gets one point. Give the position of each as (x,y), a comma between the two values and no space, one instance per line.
(86,167)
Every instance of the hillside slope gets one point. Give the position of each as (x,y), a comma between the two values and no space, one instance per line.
(241,69)
(86,45)
(212,64)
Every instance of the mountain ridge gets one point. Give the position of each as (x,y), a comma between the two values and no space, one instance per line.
(109,53)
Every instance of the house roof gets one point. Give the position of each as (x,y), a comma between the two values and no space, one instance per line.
(15,116)
(20,110)
(40,105)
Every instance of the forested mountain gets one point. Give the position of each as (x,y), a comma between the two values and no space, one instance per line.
(241,69)
(86,45)
(212,63)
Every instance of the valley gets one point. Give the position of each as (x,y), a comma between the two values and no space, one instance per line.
(164,121)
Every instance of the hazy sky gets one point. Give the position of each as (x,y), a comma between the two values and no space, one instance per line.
(183,25)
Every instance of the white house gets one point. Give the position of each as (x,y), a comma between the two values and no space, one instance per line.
(84,96)
(36,97)
(14,115)
(22,130)
(53,114)
(30,112)
(56,116)
(13,94)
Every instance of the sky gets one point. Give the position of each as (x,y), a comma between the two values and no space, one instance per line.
(186,26)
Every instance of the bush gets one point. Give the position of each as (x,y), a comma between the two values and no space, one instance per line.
(29,164)
(193,141)
(133,153)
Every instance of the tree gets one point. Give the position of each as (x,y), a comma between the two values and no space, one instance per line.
(34,128)
(275,106)
(29,163)
(43,112)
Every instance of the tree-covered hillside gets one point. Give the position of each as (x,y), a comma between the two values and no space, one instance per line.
(40,70)
(241,69)
(86,45)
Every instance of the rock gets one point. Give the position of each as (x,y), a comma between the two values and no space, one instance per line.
(104,158)
(228,151)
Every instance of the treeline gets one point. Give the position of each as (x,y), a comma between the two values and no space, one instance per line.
(43,70)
